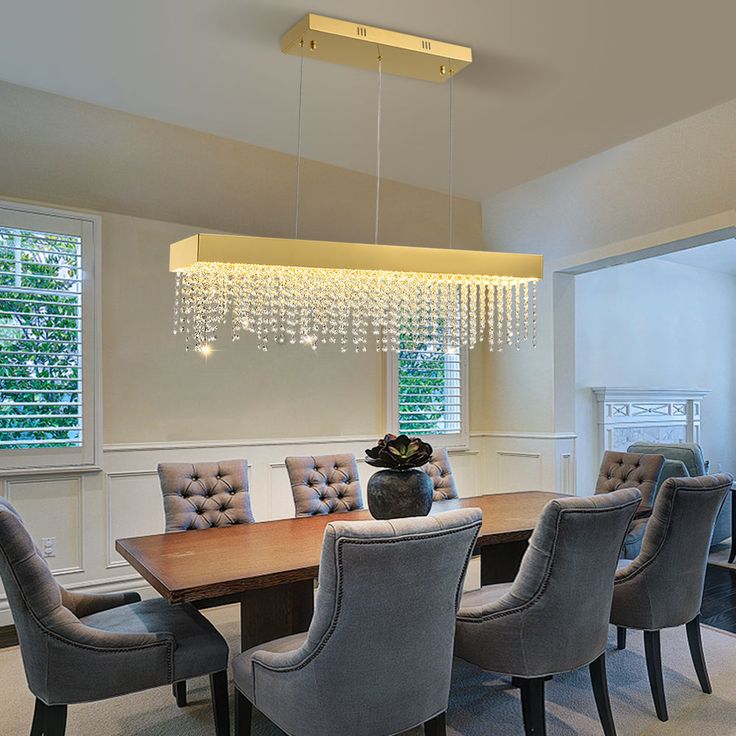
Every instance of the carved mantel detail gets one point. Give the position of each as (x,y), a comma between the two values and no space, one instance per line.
(627,415)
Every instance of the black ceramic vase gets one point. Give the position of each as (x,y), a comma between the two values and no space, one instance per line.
(394,494)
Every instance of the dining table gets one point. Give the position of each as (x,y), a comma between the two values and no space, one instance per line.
(269,567)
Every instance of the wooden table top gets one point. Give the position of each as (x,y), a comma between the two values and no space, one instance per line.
(209,563)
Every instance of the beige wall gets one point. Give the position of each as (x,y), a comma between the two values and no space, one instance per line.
(673,176)
(68,153)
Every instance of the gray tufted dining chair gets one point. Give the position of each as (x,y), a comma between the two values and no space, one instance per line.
(377,659)
(663,586)
(202,496)
(440,471)
(631,470)
(554,617)
(324,484)
(78,648)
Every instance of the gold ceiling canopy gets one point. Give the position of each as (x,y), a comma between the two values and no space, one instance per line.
(356,44)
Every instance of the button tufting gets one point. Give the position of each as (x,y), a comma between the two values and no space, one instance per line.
(232,491)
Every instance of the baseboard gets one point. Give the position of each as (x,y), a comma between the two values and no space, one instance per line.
(8,637)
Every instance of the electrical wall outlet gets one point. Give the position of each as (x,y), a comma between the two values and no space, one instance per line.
(48,546)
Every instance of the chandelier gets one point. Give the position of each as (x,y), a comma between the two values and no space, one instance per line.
(356,295)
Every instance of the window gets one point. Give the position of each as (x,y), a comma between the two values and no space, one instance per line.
(428,393)
(48,345)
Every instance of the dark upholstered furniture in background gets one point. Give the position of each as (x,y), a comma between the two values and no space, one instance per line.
(554,617)
(683,460)
(440,471)
(325,484)
(81,648)
(203,495)
(631,470)
(377,658)
(663,586)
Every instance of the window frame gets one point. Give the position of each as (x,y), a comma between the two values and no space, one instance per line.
(454,441)
(88,457)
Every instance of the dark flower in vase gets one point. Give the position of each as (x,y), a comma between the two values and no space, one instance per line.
(399,453)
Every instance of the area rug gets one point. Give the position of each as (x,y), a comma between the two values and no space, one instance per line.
(719,556)
(481,704)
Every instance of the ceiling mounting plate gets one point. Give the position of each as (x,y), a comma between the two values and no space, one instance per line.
(356,44)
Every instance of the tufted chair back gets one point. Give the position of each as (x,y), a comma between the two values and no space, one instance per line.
(326,484)
(440,471)
(203,495)
(378,655)
(629,470)
(663,586)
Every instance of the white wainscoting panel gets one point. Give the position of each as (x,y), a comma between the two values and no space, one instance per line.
(53,508)
(134,508)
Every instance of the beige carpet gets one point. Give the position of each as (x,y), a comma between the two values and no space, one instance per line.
(481,704)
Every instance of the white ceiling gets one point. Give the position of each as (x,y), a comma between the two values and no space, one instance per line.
(719,257)
(552,82)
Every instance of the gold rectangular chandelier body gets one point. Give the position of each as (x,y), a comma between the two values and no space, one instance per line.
(356,44)
(205,248)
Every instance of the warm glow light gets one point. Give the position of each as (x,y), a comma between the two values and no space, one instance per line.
(204,349)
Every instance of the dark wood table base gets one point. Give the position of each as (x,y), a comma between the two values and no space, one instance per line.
(270,613)
(499,563)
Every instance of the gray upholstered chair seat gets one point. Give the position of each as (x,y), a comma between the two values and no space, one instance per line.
(199,647)
(554,617)
(81,647)
(484,596)
(663,586)
(632,541)
(377,659)
(243,663)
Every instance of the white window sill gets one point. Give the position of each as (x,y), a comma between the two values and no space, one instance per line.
(51,470)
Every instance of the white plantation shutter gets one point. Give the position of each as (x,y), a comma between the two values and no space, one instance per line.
(429,393)
(47,355)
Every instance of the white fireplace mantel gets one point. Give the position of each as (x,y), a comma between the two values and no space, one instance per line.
(627,415)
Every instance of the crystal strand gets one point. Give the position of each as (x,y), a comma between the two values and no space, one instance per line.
(507,303)
(499,317)
(517,315)
(177,304)
(482,289)
(526,310)
(534,314)
(490,299)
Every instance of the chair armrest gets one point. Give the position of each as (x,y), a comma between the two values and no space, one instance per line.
(85,604)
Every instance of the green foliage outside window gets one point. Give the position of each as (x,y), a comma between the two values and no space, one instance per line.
(428,385)
(40,340)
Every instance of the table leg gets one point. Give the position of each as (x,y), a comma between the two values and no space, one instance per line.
(270,613)
(499,563)
(732,555)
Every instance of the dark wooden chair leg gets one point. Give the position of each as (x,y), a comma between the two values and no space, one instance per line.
(695,642)
(653,652)
(436,726)
(38,718)
(180,693)
(243,714)
(54,720)
(220,704)
(532,706)
(620,637)
(600,692)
